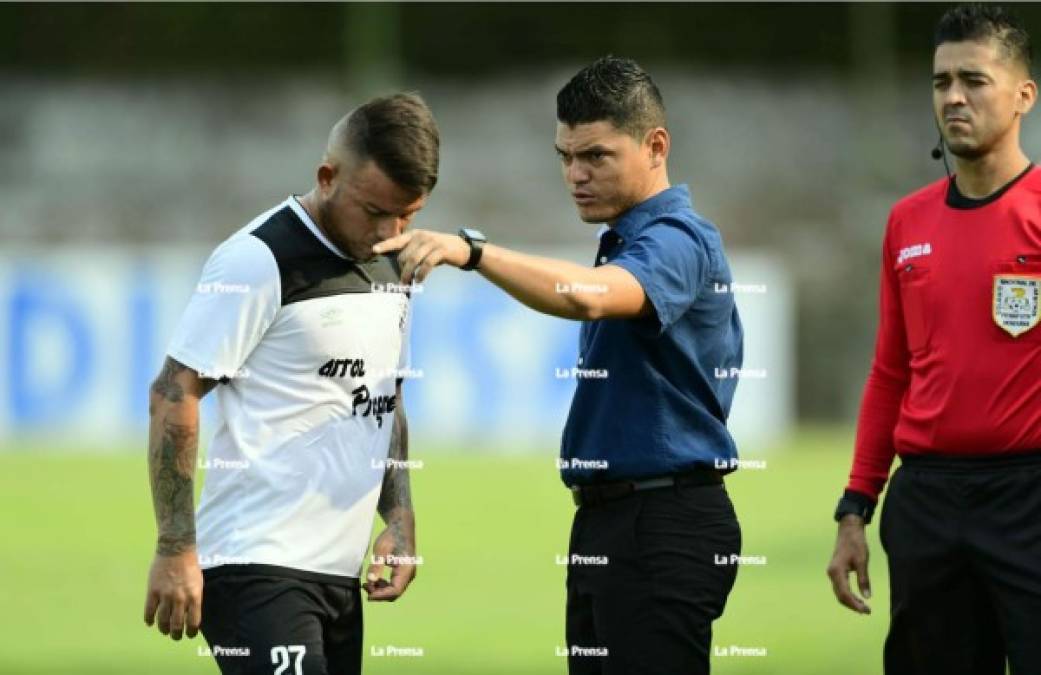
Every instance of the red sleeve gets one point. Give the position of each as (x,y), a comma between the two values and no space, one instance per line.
(885,386)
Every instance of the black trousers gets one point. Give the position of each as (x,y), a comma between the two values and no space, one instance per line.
(262,625)
(963,539)
(647,576)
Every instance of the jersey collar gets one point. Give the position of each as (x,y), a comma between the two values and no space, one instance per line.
(305,217)
(956,200)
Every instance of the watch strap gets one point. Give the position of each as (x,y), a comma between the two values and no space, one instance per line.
(476,250)
(856,503)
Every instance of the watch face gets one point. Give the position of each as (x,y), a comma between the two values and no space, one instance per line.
(472,235)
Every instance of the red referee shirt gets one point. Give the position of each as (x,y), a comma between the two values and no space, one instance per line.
(957,365)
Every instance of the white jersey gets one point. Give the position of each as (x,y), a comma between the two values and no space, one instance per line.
(308,346)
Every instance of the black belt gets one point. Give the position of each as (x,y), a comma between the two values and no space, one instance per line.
(598,493)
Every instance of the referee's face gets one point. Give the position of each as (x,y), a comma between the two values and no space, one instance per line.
(606,170)
(979,94)
(361,206)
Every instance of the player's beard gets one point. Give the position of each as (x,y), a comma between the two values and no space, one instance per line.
(331,230)
(972,151)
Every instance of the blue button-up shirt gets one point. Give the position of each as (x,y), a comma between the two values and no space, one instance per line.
(653,393)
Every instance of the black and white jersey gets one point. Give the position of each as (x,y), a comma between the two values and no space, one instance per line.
(308,346)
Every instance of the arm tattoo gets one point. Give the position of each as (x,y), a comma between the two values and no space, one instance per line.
(172,470)
(166,386)
(171,461)
(395,504)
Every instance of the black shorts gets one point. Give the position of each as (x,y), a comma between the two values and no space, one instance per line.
(262,624)
(645,582)
(963,542)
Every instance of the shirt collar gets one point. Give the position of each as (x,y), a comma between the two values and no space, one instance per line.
(294,203)
(668,200)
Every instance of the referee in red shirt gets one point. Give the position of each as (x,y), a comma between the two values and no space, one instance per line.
(955,385)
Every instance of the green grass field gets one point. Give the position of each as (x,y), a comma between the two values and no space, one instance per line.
(78,535)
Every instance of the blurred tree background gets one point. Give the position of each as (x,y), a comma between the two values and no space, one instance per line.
(457,39)
(797,125)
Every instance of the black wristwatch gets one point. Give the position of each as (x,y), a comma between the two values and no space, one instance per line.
(476,240)
(857,504)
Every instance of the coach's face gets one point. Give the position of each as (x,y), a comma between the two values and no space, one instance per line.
(360,206)
(979,94)
(606,170)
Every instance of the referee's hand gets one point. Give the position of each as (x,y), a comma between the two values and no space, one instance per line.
(174,596)
(851,555)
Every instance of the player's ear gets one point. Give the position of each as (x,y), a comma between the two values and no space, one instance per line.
(325,175)
(1027,96)
(657,141)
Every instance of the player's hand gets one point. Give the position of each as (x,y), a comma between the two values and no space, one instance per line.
(851,555)
(401,572)
(175,594)
(422,250)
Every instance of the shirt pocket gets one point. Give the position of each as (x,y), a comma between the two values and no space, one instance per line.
(915,283)
(1015,299)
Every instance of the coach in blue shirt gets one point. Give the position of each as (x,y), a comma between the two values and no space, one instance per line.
(655,541)
(662,406)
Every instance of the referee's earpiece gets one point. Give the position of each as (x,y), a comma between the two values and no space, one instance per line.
(937,151)
(940,152)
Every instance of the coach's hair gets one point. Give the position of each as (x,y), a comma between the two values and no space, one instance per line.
(979,21)
(399,134)
(614,89)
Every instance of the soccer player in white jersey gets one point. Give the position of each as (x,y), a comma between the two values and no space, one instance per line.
(303,335)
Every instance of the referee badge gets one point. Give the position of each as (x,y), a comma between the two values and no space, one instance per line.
(1016,303)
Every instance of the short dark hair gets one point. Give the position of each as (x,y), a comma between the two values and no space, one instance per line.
(614,89)
(980,21)
(399,134)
